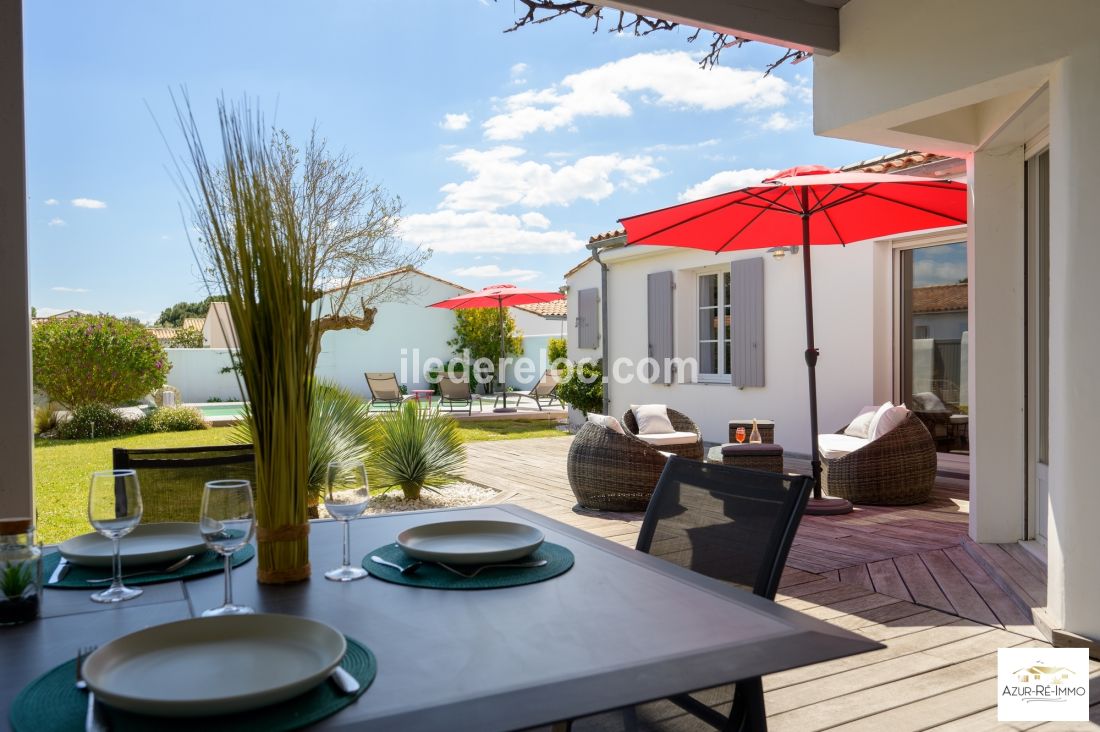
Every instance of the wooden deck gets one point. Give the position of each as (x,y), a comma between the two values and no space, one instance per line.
(909,577)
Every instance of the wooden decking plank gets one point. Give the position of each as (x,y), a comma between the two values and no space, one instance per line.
(857,575)
(911,624)
(1028,587)
(1027,560)
(959,592)
(892,611)
(806,588)
(921,584)
(886,579)
(1007,610)
(828,597)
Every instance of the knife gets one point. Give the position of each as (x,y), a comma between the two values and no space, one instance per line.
(59,572)
(345,682)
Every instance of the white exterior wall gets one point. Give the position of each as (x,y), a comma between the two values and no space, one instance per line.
(976,86)
(196,372)
(844,321)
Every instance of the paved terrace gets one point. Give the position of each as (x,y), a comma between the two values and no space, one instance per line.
(908,577)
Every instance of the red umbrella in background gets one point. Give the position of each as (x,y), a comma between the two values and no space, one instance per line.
(806,205)
(500,297)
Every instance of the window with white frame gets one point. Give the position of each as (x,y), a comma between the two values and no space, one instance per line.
(714,326)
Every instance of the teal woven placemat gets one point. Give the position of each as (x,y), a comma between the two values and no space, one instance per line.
(77,577)
(430,575)
(51,702)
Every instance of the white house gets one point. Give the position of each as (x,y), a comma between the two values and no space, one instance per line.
(1010,87)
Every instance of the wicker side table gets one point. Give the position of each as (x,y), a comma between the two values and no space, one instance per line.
(766,427)
(754,457)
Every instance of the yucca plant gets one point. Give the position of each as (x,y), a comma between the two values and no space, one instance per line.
(15,578)
(338,432)
(252,248)
(413,450)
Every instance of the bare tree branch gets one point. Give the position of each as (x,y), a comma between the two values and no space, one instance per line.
(542,11)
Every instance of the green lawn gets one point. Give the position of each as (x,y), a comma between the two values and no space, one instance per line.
(62,468)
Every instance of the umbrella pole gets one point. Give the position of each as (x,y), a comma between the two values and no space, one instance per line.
(818,505)
(500,362)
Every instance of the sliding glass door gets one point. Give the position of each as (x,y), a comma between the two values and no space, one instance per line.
(934,341)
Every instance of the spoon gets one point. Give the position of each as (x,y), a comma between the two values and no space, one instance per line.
(405,571)
(167,570)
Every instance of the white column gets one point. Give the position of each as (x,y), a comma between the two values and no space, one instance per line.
(16,443)
(1073,527)
(995,271)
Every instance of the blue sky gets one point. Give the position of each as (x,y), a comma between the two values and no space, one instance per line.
(508,149)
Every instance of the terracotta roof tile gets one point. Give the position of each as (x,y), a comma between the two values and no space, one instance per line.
(552,309)
(613,234)
(939,298)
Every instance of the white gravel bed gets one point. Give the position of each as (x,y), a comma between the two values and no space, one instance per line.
(455,494)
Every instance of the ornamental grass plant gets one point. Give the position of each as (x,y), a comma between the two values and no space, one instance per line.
(251,246)
(412,450)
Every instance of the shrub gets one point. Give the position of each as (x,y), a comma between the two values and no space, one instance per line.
(413,450)
(94,420)
(582,387)
(187,338)
(171,419)
(44,419)
(96,359)
(556,348)
(478,331)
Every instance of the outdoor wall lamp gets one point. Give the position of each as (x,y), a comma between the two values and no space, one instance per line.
(780,252)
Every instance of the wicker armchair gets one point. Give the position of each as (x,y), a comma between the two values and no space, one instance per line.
(681,423)
(612,472)
(897,469)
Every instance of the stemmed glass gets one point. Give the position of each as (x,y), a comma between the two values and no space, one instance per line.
(740,435)
(114,509)
(227,522)
(346,497)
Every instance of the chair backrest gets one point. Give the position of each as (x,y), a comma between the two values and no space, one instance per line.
(547,383)
(383,385)
(453,387)
(172,479)
(728,523)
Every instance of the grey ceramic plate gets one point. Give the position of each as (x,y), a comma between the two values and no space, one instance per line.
(470,542)
(146,544)
(217,665)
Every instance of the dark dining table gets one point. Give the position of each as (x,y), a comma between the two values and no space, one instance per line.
(619,628)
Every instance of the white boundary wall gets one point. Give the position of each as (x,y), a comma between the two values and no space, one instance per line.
(196,372)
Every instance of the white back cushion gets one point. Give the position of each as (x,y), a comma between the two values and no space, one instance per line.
(652,419)
(883,409)
(606,422)
(889,420)
(861,425)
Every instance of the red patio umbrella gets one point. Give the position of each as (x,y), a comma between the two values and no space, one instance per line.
(806,205)
(498,296)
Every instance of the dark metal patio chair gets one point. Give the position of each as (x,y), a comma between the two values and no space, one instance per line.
(731,524)
(455,395)
(172,479)
(384,389)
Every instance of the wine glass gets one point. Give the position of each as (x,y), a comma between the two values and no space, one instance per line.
(740,435)
(114,509)
(346,497)
(227,522)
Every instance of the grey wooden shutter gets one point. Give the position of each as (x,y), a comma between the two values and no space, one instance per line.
(747,322)
(659,305)
(588,318)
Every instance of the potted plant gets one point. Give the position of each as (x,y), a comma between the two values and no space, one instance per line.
(18,592)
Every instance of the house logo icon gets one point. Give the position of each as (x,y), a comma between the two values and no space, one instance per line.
(1042,684)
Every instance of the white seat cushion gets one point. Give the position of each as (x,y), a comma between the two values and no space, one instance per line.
(670,438)
(652,419)
(890,419)
(861,425)
(607,422)
(832,447)
(886,407)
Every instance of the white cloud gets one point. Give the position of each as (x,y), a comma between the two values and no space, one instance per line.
(927,272)
(535,220)
(56,221)
(727,180)
(518,69)
(666,79)
(679,147)
(779,122)
(68,289)
(501,179)
(493,270)
(455,121)
(88,203)
(51,202)
(452,232)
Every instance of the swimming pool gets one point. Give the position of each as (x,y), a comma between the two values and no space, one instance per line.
(220,412)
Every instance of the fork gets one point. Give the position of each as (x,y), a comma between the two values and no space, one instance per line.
(479,570)
(94,721)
